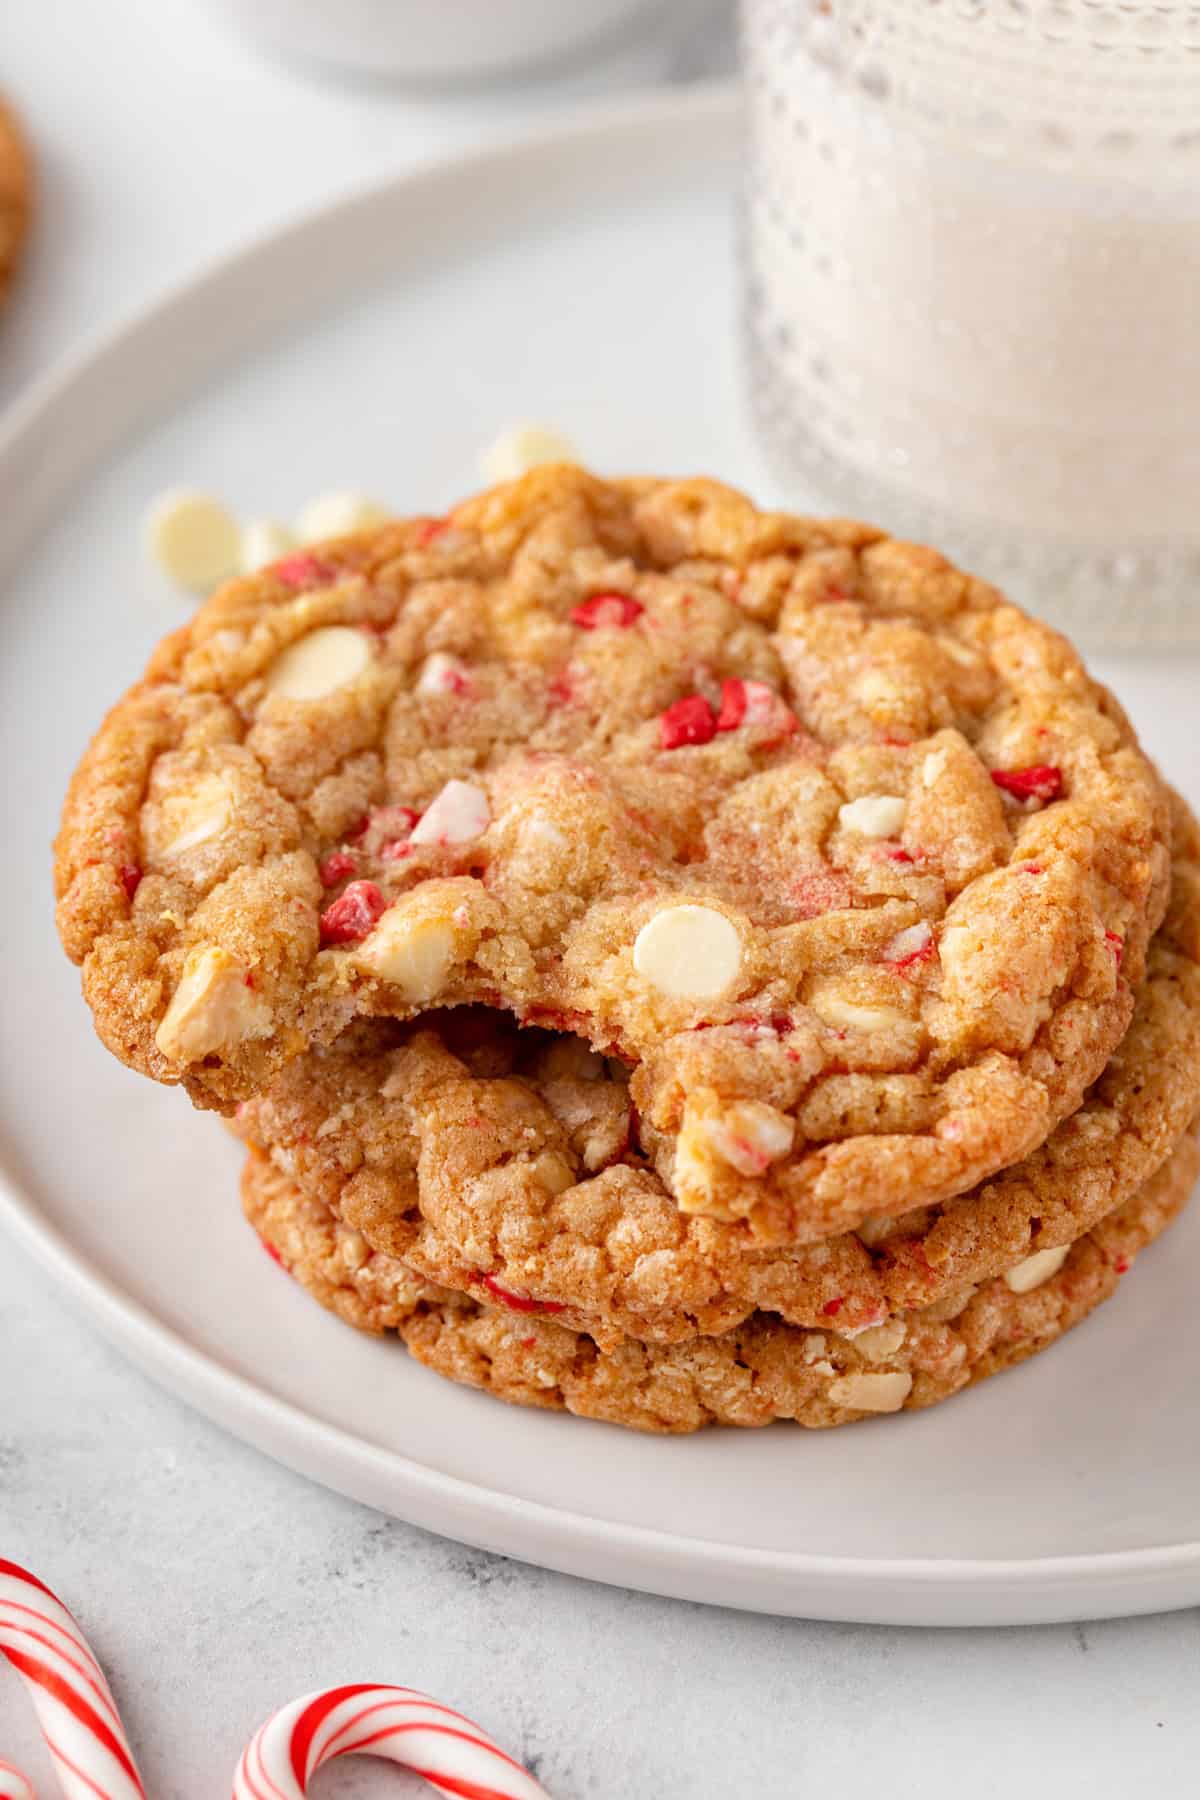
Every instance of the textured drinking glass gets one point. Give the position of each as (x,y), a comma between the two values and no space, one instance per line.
(971,244)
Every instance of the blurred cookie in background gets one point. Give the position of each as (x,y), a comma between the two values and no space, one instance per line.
(16,191)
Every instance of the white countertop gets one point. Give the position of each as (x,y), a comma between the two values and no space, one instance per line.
(214,1584)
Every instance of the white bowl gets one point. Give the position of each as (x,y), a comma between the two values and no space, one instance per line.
(427,39)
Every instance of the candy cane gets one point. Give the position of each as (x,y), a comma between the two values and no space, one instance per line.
(13,1785)
(75,1709)
(453,1755)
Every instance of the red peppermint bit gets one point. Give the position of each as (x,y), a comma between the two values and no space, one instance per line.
(1031,869)
(131,879)
(336,867)
(619,610)
(272,1252)
(733,705)
(428,529)
(302,570)
(895,853)
(248,979)
(1116,944)
(831,1308)
(1122,1265)
(560,689)
(818,892)
(756,704)
(1040,782)
(832,592)
(353,914)
(687,721)
(528,1343)
(521,1303)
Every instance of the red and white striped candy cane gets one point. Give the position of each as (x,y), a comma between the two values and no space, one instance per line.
(453,1755)
(13,1785)
(75,1709)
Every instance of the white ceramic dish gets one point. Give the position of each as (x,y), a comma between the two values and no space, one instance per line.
(428,40)
(378,345)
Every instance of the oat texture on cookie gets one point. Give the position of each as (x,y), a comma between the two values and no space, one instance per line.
(761,1371)
(847,861)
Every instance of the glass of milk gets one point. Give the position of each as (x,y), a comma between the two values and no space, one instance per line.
(971,246)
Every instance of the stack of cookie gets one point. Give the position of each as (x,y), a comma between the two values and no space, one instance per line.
(667,960)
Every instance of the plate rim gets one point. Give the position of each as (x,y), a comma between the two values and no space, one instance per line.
(868,1589)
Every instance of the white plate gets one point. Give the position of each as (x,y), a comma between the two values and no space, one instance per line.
(582,279)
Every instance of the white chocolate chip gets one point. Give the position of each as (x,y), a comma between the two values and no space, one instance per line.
(813,1346)
(355,1250)
(553,1172)
(871,1393)
(263,541)
(845,1014)
(319,664)
(874,688)
(933,768)
(909,942)
(443,674)
(192,539)
(338,515)
(194,817)
(459,814)
(689,952)
(874,816)
(1033,1270)
(411,949)
(538,833)
(750,1136)
(522,448)
(879,1342)
(213,1008)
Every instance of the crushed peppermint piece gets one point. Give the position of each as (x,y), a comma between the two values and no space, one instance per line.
(353,915)
(304,571)
(1040,782)
(687,721)
(131,879)
(619,610)
(521,1303)
(336,867)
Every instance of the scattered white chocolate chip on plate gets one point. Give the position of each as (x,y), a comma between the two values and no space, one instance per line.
(874,816)
(319,664)
(459,814)
(1033,1270)
(524,447)
(263,541)
(193,539)
(688,952)
(338,515)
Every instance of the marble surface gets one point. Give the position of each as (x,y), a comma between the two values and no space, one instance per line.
(214,1584)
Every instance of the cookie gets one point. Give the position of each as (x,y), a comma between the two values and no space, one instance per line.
(847,857)
(506,1164)
(16,194)
(762,1371)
